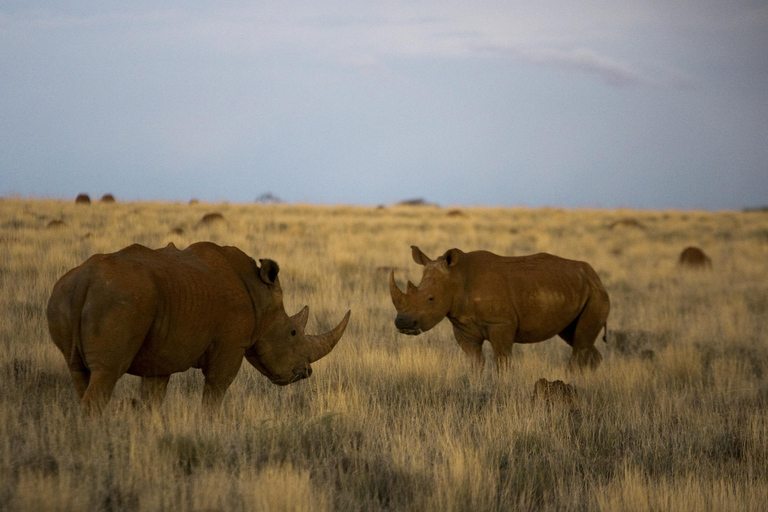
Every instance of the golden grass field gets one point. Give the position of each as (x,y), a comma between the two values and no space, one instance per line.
(390,422)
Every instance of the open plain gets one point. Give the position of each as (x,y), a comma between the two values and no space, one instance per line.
(675,417)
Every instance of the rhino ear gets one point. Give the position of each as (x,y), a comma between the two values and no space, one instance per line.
(419,257)
(268,271)
(452,257)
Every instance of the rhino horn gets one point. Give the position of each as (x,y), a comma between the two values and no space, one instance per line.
(301,317)
(397,295)
(322,344)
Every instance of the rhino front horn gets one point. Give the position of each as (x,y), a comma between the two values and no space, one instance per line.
(394,291)
(322,344)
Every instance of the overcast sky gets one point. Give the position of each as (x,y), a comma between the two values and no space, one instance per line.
(644,104)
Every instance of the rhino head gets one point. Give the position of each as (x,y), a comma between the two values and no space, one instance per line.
(281,350)
(422,307)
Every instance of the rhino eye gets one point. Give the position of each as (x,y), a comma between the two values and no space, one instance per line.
(293,332)
(431,299)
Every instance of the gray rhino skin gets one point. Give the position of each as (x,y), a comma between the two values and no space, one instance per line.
(156,312)
(505,300)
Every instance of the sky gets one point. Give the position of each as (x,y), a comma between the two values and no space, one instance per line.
(592,104)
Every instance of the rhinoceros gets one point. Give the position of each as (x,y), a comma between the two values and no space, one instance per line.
(153,313)
(505,300)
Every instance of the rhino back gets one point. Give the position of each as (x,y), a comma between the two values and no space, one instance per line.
(542,293)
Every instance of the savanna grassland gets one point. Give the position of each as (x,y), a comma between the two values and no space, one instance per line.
(675,418)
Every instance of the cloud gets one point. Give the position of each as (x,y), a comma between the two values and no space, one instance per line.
(365,40)
(610,71)
(367,36)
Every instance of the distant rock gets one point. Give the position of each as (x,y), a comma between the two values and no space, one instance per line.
(82,199)
(55,224)
(211,218)
(628,222)
(694,258)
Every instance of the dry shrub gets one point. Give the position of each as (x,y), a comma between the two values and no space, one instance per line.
(630,342)
(83,199)
(555,392)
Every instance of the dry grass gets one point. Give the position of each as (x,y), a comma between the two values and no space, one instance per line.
(676,418)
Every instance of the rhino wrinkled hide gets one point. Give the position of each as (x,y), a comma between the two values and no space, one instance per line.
(153,313)
(505,300)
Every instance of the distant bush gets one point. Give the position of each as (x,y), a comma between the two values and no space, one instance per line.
(268,198)
(419,201)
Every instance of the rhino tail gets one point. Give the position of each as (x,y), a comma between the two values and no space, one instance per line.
(76,310)
(605,332)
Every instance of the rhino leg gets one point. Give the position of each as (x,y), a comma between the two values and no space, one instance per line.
(152,390)
(60,326)
(213,393)
(105,368)
(100,386)
(585,358)
(112,331)
(582,333)
(219,374)
(472,346)
(81,376)
(502,337)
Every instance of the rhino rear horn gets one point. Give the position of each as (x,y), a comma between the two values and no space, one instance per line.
(322,344)
(301,317)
